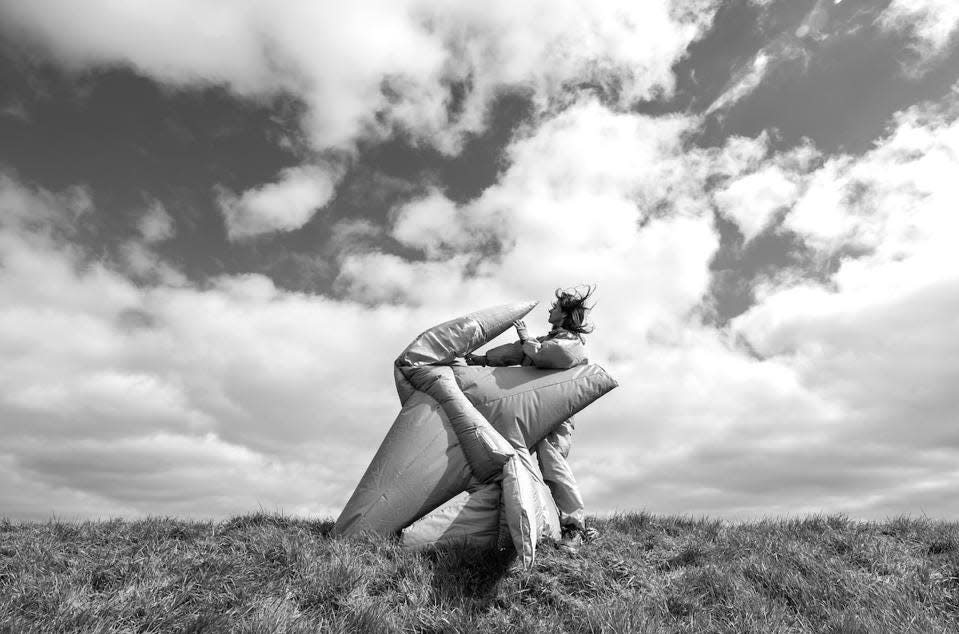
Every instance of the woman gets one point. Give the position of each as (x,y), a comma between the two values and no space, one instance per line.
(563,347)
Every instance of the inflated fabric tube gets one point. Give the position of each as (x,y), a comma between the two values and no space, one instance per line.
(420,465)
(469,519)
(457,337)
(485,449)
(530,512)
(404,389)
(525,404)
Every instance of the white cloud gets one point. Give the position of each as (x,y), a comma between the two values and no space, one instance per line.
(931,23)
(433,225)
(246,395)
(370,67)
(753,200)
(879,340)
(96,369)
(568,209)
(747,79)
(302,380)
(890,201)
(845,364)
(281,206)
(156,224)
(288,394)
(620,200)
(143,263)
(596,196)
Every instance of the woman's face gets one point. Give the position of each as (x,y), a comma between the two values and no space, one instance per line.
(556,315)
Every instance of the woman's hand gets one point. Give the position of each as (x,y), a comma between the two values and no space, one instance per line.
(475,359)
(521,330)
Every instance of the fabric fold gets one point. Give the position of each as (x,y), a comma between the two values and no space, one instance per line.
(486,450)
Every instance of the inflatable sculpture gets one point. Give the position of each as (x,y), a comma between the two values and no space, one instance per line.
(456,463)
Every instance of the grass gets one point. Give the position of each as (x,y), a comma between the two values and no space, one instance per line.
(645,573)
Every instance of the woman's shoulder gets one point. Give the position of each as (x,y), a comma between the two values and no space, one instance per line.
(562,333)
(561,350)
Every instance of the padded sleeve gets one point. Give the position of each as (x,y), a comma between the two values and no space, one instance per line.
(555,354)
(506,354)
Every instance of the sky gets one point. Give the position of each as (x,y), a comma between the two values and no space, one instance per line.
(221,220)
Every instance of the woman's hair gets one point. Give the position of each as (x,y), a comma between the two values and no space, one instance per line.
(572,301)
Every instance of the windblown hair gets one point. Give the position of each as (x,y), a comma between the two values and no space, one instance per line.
(572,301)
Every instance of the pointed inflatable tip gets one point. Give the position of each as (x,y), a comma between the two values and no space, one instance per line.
(457,337)
(498,319)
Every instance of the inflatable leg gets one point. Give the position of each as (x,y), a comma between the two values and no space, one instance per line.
(530,512)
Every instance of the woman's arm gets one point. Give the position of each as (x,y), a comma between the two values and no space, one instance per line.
(506,354)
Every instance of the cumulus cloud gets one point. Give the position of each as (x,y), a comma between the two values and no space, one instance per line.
(753,200)
(142,263)
(121,398)
(365,70)
(843,398)
(165,396)
(280,384)
(932,24)
(816,385)
(878,341)
(433,225)
(554,216)
(837,391)
(623,201)
(156,224)
(281,206)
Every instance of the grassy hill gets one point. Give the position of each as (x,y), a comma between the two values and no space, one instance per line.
(264,573)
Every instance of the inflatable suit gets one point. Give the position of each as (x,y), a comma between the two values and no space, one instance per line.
(464,434)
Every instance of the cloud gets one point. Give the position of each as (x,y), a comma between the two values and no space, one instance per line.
(746,80)
(555,216)
(932,25)
(281,206)
(156,225)
(878,340)
(432,225)
(623,201)
(295,388)
(787,46)
(815,387)
(365,71)
(142,263)
(832,394)
(119,397)
(753,200)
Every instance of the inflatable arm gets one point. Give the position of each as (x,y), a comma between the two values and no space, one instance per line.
(424,366)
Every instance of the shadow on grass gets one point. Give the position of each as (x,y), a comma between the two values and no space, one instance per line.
(469,573)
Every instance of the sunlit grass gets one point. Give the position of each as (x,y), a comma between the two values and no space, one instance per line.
(645,573)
